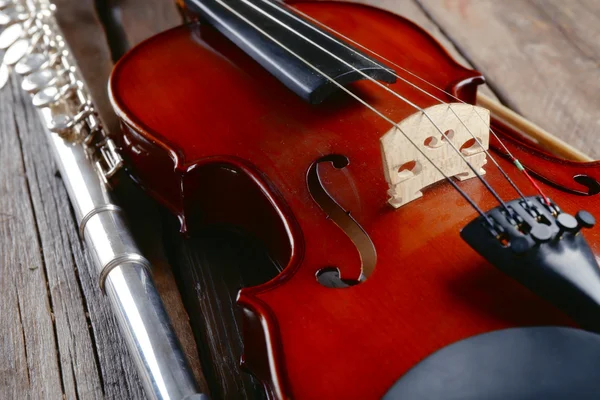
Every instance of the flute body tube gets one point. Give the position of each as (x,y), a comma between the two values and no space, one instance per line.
(128,284)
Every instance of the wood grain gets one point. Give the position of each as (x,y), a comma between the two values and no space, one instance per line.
(211,268)
(141,20)
(541,57)
(28,344)
(412,10)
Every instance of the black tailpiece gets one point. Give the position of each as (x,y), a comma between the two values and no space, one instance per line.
(542,247)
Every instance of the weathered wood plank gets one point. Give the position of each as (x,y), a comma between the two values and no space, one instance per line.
(141,20)
(28,342)
(211,268)
(541,57)
(87,39)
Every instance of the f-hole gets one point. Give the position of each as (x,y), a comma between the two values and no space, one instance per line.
(330,276)
(592,185)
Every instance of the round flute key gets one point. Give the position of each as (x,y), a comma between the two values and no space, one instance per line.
(15,52)
(46,97)
(60,124)
(5,19)
(30,63)
(17,15)
(10,35)
(38,80)
(10,16)
(5,3)
(541,233)
(4,74)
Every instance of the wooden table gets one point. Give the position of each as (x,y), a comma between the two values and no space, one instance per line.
(58,336)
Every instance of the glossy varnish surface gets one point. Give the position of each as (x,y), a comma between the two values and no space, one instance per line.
(200,116)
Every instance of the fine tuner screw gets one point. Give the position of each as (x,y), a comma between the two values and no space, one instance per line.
(585,219)
(541,233)
(568,223)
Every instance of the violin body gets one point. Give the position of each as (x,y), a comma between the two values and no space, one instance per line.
(218,140)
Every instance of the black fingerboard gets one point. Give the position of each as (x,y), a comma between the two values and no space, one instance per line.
(304,57)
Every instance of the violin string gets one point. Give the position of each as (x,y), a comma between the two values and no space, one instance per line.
(512,158)
(399,96)
(356,97)
(477,140)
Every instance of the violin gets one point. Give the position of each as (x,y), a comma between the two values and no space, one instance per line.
(406,219)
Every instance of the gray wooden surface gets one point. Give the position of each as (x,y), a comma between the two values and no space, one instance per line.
(58,337)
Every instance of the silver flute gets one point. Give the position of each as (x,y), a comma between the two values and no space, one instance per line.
(35,49)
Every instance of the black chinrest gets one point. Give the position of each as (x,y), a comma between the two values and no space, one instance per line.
(513,364)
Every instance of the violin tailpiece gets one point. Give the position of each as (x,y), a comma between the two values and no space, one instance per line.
(407,170)
(543,248)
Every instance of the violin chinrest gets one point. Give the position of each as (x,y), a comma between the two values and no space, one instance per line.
(512,364)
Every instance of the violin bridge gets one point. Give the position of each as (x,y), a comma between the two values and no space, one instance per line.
(408,172)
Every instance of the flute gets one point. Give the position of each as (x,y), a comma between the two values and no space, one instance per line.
(87,159)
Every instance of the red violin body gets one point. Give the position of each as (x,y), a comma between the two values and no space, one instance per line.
(217,139)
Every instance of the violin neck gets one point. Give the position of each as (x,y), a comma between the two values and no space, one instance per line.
(301,55)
